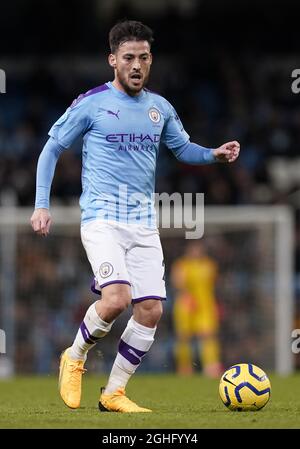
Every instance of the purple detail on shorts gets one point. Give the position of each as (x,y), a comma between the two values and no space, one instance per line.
(88,338)
(143,298)
(96,90)
(115,282)
(94,289)
(130,353)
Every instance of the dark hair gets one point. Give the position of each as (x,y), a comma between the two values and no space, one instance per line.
(129,30)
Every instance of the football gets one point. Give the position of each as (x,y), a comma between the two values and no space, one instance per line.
(245,387)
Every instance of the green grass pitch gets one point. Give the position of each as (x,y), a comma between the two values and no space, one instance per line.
(178,403)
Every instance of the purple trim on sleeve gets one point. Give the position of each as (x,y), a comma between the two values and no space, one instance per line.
(115,282)
(130,353)
(88,338)
(143,298)
(96,90)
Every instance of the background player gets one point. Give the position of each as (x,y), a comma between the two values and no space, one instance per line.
(195,310)
(122,126)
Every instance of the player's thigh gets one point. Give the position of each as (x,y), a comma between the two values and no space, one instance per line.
(106,255)
(206,321)
(182,318)
(145,264)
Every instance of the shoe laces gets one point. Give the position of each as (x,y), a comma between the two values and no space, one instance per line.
(75,369)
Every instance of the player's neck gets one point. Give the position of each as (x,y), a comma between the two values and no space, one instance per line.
(119,87)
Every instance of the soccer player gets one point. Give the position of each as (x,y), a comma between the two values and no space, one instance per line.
(195,310)
(122,124)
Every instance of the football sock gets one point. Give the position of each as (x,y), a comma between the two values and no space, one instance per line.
(90,331)
(135,342)
(210,351)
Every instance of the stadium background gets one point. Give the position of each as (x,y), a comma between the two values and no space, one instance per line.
(225,66)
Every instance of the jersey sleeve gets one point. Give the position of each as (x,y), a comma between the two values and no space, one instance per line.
(74,122)
(173,135)
(45,172)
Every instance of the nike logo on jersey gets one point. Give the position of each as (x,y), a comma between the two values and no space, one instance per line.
(116,114)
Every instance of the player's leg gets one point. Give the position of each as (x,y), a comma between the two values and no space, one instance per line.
(209,345)
(211,363)
(99,318)
(135,342)
(112,277)
(182,315)
(95,325)
(146,269)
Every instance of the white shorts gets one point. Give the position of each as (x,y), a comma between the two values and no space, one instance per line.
(125,254)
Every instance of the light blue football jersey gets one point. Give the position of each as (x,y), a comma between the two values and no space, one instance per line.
(121,138)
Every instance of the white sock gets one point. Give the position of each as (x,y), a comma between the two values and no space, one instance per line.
(90,331)
(135,342)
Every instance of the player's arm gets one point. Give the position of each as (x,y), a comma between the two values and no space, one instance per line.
(194,154)
(75,121)
(41,219)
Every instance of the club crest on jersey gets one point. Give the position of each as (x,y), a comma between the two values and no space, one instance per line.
(105,269)
(154,115)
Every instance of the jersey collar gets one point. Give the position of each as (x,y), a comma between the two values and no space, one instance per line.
(118,93)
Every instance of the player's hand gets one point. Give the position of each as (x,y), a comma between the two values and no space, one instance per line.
(41,221)
(228,152)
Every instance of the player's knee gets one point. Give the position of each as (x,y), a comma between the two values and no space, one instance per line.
(115,301)
(148,312)
(157,311)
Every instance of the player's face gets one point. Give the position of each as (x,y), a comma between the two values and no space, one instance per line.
(132,62)
(195,250)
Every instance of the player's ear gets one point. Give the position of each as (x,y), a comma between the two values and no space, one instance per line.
(112,60)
